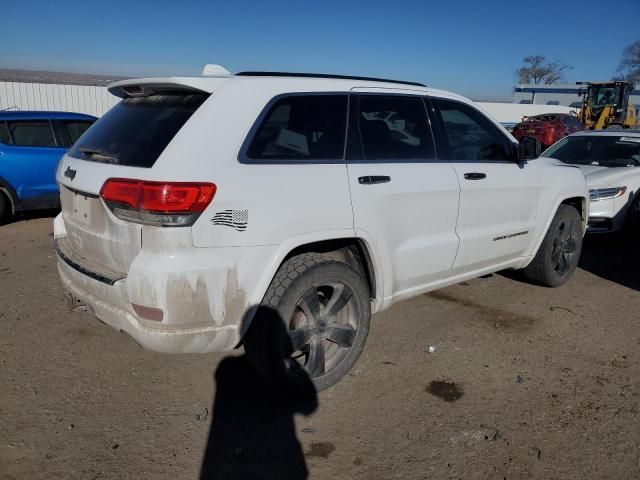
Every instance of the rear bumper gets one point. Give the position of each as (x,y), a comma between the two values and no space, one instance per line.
(111,305)
(173,297)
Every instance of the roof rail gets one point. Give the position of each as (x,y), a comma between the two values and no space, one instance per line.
(325,75)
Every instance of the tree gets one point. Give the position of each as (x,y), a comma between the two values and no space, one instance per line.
(537,70)
(629,67)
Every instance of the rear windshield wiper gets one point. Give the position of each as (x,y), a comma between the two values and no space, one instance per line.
(93,153)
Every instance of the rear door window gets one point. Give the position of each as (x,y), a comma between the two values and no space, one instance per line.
(75,129)
(4,134)
(471,135)
(301,128)
(137,130)
(394,127)
(33,133)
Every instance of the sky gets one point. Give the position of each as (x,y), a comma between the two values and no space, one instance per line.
(472,47)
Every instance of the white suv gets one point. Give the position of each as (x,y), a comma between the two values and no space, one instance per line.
(280,211)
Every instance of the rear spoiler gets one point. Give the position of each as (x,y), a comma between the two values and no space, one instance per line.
(142,87)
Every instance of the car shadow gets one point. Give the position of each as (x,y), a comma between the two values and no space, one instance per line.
(252,434)
(29,215)
(614,257)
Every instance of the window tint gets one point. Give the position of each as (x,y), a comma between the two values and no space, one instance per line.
(302,127)
(137,130)
(471,135)
(605,151)
(75,129)
(4,134)
(32,134)
(394,127)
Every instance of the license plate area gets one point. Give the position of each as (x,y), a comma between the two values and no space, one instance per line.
(81,205)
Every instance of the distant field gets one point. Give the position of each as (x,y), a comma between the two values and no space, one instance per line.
(37,76)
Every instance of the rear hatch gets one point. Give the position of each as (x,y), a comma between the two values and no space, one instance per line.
(125,143)
(533,125)
(540,127)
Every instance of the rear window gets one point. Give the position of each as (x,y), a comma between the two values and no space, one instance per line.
(137,130)
(542,118)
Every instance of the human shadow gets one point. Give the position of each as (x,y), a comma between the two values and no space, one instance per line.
(252,433)
(614,257)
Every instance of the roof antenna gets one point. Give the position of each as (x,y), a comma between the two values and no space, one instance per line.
(211,69)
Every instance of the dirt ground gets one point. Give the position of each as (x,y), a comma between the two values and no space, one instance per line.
(524,382)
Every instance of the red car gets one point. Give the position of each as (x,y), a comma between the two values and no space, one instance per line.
(548,128)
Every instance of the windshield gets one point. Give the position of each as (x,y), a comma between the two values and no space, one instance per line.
(601,96)
(137,130)
(605,151)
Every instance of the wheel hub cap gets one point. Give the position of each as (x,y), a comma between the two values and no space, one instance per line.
(323,327)
(564,248)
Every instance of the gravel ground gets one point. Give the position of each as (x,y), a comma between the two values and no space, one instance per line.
(524,382)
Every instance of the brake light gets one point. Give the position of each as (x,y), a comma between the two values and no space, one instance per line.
(157,203)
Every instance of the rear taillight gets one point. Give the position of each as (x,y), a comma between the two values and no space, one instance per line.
(164,204)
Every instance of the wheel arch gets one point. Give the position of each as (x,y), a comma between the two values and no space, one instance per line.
(580,204)
(9,193)
(353,250)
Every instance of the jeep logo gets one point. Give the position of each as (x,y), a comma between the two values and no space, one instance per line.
(70,173)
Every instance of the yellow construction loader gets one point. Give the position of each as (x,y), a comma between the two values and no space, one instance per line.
(606,105)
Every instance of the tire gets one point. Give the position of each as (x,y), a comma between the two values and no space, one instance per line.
(3,208)
(558,255)
(312,324)
(632,222)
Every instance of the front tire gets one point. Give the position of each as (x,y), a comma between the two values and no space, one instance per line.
(312,323)
(632,222)
(3,208)
(558,255)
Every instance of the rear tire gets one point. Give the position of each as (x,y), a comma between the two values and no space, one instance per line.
(558,255)
(312,324)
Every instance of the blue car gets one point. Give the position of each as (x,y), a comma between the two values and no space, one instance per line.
(31,143)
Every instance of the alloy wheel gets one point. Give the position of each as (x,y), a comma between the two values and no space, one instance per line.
(564,247)
(323,328)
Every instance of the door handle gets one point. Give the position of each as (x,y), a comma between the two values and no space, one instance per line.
(475,176)
(373,179)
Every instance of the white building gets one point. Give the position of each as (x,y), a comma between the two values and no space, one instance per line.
(68,92)
(558,94)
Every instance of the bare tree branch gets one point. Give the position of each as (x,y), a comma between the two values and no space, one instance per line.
(629,67)
(537,70)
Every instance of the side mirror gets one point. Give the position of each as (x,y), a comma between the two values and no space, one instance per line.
(529,148)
